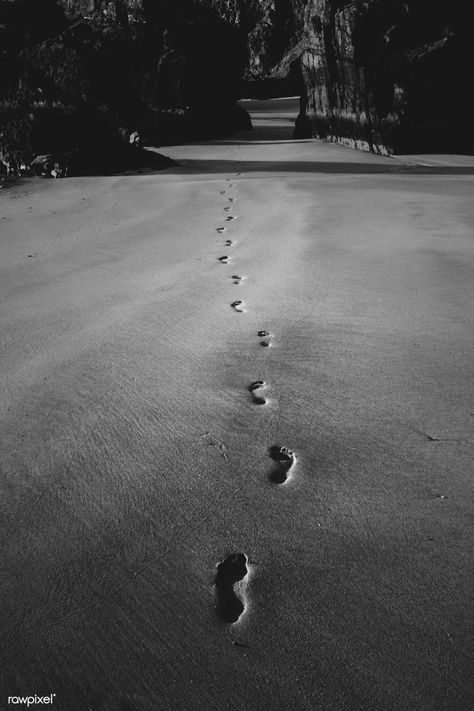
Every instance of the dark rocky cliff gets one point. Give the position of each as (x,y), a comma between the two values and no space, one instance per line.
(378,74)
(82,76)
(382,75)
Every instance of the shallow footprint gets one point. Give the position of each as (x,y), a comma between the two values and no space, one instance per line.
(229,218)
(256,389)
(228,243)
(285,460)
(230,200)
(266,336)
(230,586)
(222,192)
(224,259)
(228,209)
(220,230)
(237,279)
(235,305)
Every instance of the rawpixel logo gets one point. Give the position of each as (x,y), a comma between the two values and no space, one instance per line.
(31,700)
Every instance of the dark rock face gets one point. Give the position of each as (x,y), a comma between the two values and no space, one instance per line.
(200,70)
(382,75)
(82,76)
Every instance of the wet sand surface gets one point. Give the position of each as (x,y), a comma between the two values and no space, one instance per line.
(237,454)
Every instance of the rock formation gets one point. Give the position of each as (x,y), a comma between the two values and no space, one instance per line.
(80,77)
(382,75)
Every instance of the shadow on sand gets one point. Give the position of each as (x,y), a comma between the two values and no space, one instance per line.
(387,166)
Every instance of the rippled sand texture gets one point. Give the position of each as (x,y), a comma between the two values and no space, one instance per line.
(190,521)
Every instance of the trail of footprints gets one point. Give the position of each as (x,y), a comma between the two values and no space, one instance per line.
(232,574)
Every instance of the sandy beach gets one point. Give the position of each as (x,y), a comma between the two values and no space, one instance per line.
(260,358)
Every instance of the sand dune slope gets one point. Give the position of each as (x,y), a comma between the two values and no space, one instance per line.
(237,431)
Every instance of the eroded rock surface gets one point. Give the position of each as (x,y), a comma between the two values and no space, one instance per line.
(382,75)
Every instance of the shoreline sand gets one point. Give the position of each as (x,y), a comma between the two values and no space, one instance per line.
(137,457)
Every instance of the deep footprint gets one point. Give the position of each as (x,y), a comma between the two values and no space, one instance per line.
(228,243)
(227,209)
(224,259)
(256,389)
(235,305)
(220,230)
(285,460)
(232,570)
(237,279)
(229,218)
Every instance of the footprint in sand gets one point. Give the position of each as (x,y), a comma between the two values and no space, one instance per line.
(285,460)
(229,218)
(237,279)
(230,583)
(266,338)
(228,243)
(236,306)
(224,259)
(256,389)
(222,192)
(227,209)
(230,200)
(220,230)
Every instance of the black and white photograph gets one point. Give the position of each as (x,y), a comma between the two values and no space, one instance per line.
(236,355)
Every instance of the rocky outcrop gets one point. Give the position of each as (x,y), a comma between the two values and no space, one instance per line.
(382,75)
(200,68)
(79,76)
